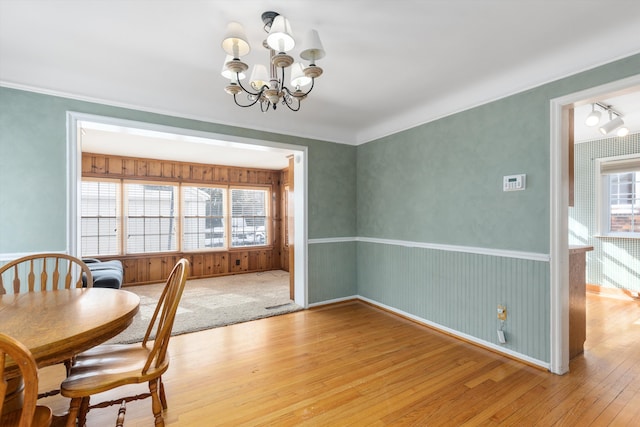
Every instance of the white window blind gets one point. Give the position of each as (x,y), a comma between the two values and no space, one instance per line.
(203,218)
(100,221)
(249,209)
(151,218)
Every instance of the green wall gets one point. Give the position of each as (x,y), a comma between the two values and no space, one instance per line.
(33,173)
(440,184)
(434,185)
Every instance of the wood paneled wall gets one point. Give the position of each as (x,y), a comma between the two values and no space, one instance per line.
(154,268)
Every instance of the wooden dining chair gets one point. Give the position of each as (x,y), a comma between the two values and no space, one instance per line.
(121,412)
(44,272)
(29,415)
(109,366)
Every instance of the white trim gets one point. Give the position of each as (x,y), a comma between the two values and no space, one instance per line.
(74,174)
(332,240)
(559,229)
(532,256)
(437,326)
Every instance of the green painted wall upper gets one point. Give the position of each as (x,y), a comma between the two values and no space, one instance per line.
(33,168)
(441,182)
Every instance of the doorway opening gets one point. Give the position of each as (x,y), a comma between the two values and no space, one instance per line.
(559,203)
(183,145)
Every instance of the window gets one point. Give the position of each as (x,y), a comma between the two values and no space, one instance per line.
(203,223)
(620,197)
(99,209)
(248,217)
(132,217)
(151,218)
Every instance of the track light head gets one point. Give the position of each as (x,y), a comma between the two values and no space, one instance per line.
(612,125)
(623,131)
(594,116)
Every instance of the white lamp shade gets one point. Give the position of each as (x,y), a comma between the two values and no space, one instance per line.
(228,74)
(298,77)
(280,37)
(235,41)
(611,126)
(312,48)
(593,118)
(259,76)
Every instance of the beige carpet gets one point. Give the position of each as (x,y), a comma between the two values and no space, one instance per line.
(214,302)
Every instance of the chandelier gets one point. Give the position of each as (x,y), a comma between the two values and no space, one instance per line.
(267,88)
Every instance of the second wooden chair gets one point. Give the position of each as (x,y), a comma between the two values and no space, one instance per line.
(106,367)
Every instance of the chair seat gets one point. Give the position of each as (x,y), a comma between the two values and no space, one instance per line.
(42,417)
(108,366)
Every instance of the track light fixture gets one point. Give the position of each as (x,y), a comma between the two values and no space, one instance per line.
(267,85)
(614,124)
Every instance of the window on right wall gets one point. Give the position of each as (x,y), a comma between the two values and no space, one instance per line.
(619,196)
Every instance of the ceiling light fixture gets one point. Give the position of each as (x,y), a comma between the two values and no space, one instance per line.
(267,88)
(614,124)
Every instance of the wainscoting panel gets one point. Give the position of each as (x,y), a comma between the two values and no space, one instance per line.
(461,291)
(332,270)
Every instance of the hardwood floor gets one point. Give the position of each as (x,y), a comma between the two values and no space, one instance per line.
(352,364)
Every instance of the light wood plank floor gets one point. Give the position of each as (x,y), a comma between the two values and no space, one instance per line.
(352,364)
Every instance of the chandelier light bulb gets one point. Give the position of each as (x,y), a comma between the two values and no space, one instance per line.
(235,41)
(594,117)
(259,77)
(280,37)
(228,74)
(312,47)
(298,78)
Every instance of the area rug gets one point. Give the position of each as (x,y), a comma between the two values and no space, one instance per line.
(215,302)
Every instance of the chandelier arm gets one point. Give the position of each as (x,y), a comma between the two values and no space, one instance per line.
(263,108)
(313,81)
(259,94)
(235,99)
(288,104)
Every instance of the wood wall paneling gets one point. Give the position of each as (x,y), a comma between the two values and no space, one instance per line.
(154,268)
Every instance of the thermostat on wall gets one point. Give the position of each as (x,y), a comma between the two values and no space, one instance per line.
(514,182)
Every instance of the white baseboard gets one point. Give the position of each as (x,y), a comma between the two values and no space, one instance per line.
(486,344)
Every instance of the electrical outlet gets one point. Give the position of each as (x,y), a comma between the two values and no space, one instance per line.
(502,312)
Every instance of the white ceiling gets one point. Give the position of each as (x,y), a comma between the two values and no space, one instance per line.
(390,65)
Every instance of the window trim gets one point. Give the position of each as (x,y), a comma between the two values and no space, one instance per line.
(268,215)
(179,217)
(627,163)
(225,188)
(119,207)
(124,215)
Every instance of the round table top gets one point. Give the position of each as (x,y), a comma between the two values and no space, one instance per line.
(56,325)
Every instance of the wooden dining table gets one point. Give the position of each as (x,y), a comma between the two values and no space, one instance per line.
(56,325)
